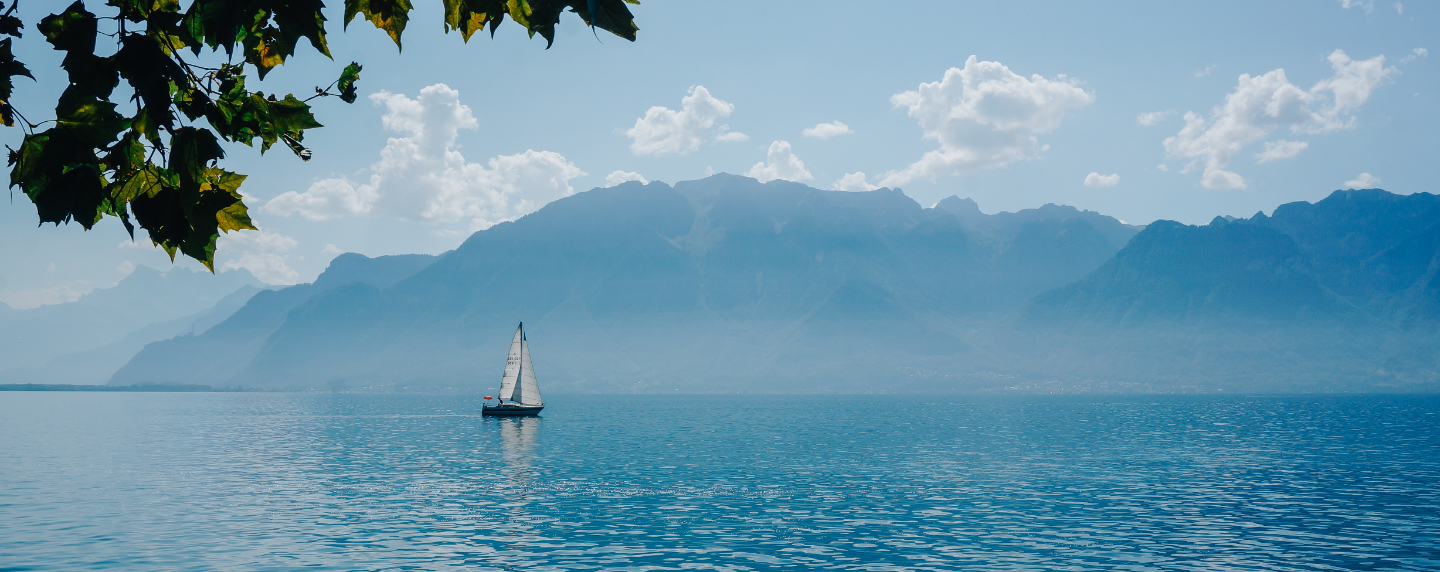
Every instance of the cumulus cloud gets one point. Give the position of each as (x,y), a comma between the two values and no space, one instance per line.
(261,252)
(1097,180)
(332,249)
(984,116)
(622,176)
(780,163)
(1282,149)
(1364,181)
(1399,8)
(1263,104)
(827,130)
(1202,72)
(1415,54)
(854,182)
(324,200)
(664,131)
(728,136)
(1151,117)
(422,176)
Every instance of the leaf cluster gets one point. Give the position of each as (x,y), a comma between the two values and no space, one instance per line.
(160,164)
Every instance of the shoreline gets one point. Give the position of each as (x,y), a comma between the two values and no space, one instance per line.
(144,387)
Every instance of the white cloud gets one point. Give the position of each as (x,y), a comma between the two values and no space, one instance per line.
(984,116)
(780,163)
(325,200)
(58,294)
(1364,181)
(1097,180)
(1152,117)
(140,243)
(827,130)
(854,182)
(1282,149)
(622,176)
(1262,104)
(728,136)
(1202,72)
(260,252)
(1367,5)
(665,131)
(1399,8)
(1163,167)
(1415,54)
(126,268)
(332,249)
(422,176)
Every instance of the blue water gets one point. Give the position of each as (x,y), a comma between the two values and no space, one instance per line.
(362,482)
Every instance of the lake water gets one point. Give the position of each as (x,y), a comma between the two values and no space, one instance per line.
(370,482)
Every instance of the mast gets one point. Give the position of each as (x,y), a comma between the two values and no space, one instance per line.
(520,376)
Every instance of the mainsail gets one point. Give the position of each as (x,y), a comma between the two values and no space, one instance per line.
(512,365)
(528,392)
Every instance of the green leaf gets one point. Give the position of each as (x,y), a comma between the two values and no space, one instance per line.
(143,62)
(73,30)
(289,118)
(187,211)
(301,19)
(610,15)
(219,23)
(11,26)
(192,150)
(388,15)
(470,16)
(126,156)
(9,68)
(236,216)
(61,176)
(90,120)
(346,83)
(140,10)
(265,49)
(143,183)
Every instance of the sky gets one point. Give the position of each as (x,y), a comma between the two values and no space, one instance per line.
(1138,110)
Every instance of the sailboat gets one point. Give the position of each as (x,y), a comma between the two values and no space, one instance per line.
(519,393)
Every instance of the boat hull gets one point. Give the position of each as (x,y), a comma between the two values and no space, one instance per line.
(509,410)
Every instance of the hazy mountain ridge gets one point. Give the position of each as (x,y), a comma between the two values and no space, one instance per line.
(729,285)
(97,365)
(1335,295)
(1366,252)
(725,276)
(216,354)
(104,316)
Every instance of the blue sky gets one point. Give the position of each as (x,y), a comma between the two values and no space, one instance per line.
(1014,104)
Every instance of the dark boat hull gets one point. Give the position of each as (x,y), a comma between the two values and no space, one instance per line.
(509,410)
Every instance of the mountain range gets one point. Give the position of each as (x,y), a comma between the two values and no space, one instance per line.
(729,285)
(85,341)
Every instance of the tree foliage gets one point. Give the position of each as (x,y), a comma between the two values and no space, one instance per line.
(150,153)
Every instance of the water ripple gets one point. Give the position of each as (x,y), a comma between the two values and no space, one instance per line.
(357,482)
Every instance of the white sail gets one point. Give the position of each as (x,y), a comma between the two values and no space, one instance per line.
(512,366)
(529,392)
